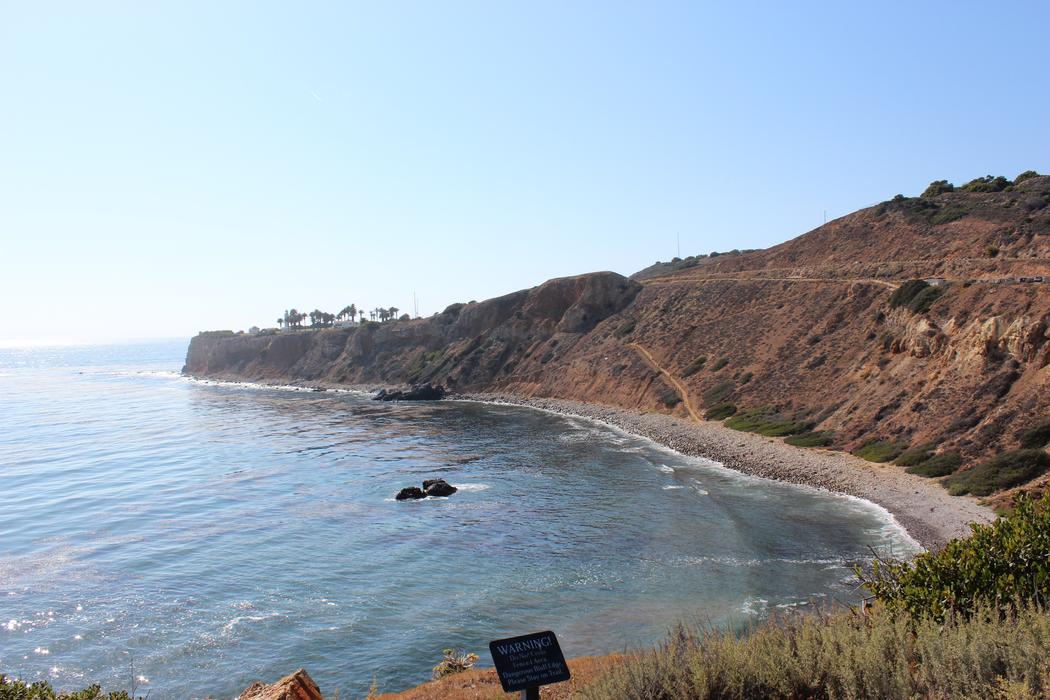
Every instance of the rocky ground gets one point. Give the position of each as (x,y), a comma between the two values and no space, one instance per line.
(920,505)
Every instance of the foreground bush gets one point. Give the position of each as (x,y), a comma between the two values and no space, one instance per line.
(1000,566)
(1001,472)
(42,690)
(881,655)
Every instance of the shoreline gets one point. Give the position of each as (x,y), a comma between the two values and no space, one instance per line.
(919,506)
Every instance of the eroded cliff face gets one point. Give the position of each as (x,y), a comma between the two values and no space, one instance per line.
(819,338)
(476,347)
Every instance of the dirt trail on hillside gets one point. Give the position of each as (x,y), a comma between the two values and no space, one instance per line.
(834,280)
(679,387)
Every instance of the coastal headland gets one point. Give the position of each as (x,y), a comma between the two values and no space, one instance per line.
(916,331)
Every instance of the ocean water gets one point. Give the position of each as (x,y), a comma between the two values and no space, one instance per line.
(188,538)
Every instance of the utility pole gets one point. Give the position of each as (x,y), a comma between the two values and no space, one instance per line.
(415,303)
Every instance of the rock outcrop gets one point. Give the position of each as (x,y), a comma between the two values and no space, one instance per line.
(410,493)
(416,392)
(438,487)
(295,686)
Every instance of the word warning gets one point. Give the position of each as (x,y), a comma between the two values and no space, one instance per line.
(528,661)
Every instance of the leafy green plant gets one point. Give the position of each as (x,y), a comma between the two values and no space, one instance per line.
(722,410)
(1001,565)
(811,439)
(722,362)
(746,378)
(1001,472)
(879,450)
(694,366)
(454,661)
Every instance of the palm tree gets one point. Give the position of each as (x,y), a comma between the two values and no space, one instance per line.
(353,311)
(393,311)
(280,322)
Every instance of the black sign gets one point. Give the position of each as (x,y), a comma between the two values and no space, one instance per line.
(529,661)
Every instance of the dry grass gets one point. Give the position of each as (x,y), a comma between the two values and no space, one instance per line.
(844,656)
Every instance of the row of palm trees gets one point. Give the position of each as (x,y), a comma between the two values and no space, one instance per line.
(323,319)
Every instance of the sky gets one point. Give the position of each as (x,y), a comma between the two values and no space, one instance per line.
(167,168)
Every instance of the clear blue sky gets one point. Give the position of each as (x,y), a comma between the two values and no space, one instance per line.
(171,167)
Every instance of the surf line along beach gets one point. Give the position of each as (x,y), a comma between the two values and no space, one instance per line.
(921,506)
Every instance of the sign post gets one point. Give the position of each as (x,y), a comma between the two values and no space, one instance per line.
(527,662)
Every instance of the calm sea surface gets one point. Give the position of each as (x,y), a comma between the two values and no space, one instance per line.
(196,537)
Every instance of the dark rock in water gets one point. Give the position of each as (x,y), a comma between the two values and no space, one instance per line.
(438,487)
(418,392)
(320,388)
(412,493)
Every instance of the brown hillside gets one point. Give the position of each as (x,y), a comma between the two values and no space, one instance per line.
(805,327)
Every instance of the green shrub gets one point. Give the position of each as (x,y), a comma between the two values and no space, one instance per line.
(947,215)
(669,397)
(746,378)
(717,393)
(903,295)
(925,299)
(767,421)
(987,184)
(938,465)
(42,690)
(938,187)
(880,655)
(879,450)
(720,364)
(216,334)
(915,455)
(811,439)
(1026,175)
(719,412)
(1000,565)
(1001,472)
(625,329)
(694,366)
(992,251)
(1036,436)
(453,661)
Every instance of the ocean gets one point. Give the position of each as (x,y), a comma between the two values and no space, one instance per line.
(185,538)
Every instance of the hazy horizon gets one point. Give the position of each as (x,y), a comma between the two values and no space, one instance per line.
(182,167)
